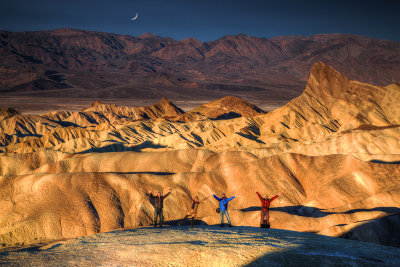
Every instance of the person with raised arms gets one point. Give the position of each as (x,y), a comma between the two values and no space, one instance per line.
(223,208)
(158,206)
(193,211)
(265,203)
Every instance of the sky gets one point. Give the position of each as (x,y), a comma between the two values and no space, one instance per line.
(207,20)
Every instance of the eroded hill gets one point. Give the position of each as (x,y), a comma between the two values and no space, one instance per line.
(331,152)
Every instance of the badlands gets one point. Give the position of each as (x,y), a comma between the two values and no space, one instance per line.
(333,153)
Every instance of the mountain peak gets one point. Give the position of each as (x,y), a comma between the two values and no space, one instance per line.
(191,40)
(147,35)
(67,32)
(325,80)
(96,104)
(168,107)
(7,112)
(223,108)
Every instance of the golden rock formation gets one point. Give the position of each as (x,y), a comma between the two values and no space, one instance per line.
(331,152)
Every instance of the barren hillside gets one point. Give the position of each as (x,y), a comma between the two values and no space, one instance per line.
(332,152)
(75,63)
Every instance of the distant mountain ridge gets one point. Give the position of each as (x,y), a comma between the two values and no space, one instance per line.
(101,65)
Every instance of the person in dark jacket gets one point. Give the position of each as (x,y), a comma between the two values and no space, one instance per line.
(223,208)
(265,203)
(158,206)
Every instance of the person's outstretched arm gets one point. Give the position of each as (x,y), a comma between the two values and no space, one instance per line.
(150,194)
(167,194)
(259,196)
(274,198)
(217,198)
(229,199)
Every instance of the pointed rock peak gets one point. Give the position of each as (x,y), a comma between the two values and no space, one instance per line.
(8,112)
(236,37)
(237,102)
(244,36)
(96,104)
(321,68)
(325,80)
(170,106)
(228,105)
(191,40)
(147,35)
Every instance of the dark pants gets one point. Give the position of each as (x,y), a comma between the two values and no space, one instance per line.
(264,217)
(158,213)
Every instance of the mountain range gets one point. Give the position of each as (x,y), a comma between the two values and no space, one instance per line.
(68,62)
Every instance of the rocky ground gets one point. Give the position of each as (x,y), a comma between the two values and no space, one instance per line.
(204,246)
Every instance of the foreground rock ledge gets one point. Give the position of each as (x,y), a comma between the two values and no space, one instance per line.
(205,246)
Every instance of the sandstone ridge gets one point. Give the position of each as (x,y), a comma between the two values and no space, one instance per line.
(332,152)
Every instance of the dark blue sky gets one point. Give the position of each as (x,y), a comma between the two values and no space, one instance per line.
(207,20)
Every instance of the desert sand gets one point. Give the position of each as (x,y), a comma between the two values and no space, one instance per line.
(332,152)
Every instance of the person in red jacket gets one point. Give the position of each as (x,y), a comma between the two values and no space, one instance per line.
(265,203)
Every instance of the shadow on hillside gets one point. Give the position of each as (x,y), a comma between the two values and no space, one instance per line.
(20,134)
(306,211)
(64,123)
(184,223)
(299,210)
(227,116)
(308,250)
(119,147)
(251,137)
(287,248)
(384,162)
(383,231)
(154,173)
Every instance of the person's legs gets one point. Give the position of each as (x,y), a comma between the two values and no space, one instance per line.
(263,217)
(155,217)
(161,217)
(227,217)
(191,222)
(222,217)
(267,217)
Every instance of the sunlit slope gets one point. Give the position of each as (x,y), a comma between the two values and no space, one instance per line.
(333,152)
(334,115)
(65,196)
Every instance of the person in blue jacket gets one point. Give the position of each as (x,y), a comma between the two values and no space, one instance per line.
(223,208)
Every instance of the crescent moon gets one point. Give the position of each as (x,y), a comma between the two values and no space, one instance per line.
(135,17)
